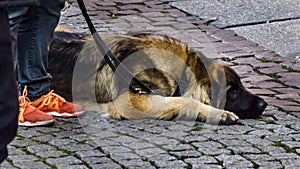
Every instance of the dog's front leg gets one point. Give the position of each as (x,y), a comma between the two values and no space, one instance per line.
(133,106)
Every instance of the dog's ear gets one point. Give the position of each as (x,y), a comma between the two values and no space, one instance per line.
(213,86)
(205,92)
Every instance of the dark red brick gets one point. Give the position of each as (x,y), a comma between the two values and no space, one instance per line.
(272,69)
(248,60)
(128,7)
(237,54)
(268,85)
(287,90)
(105,8)
(264,65)
(261,91)
(128,1)
(277,102)
(153,14)
(291,108)
(288,96)
(291,79)
(242,70)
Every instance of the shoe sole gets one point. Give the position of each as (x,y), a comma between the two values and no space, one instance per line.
(65,115)
(35,124)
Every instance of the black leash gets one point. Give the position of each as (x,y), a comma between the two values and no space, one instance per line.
(110,57)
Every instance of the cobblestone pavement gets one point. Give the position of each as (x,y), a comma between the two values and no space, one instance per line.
(92,142)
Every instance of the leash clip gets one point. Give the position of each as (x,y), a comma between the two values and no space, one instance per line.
(139,91)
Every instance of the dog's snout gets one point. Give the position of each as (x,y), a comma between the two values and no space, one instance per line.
(261,105)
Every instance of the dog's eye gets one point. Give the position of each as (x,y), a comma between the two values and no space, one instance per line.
(232,91)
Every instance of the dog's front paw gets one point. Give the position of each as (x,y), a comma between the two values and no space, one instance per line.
(228,118)
(222,117)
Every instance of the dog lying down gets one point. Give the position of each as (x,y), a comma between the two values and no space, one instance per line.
(188,84)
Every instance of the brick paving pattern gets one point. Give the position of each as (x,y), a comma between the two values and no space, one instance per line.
(92,142)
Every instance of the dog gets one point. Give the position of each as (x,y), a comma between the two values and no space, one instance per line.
(186,84)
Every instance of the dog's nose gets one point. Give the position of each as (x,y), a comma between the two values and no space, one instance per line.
(261,105)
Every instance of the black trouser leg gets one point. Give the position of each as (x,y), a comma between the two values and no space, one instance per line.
(8,91)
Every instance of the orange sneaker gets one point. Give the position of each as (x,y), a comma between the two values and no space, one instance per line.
(31,116)
(55,105)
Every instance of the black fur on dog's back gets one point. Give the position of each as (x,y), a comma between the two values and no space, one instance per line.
(64,48)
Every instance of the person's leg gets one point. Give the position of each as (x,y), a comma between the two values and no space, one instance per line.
(8,98)
(14,16)
(34,36)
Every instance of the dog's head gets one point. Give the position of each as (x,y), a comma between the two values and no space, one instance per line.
(240,101)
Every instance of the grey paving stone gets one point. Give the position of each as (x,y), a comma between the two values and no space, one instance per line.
(206,166)
(138,145)
(60,142)
(52,153)
(235,142)
(259,141)
(104,142)
(285,156)
(259,157)
(15,151)
(289,163)
(28,133)
(191,138)
(174,134)
(225,13)
(72,167)
(97,160)
(22,142)
(162,157)
(6,165)
(158,140)
(106,166)
(278,138)
(269,164)
(273,149)
(220,136)
(125,139)
(178,147)
(171,164)
(100,133)
(136,163)
(43,138)
(202,160)
(31,165)
(234,161)
(41,147)
(213,151)
(22,158)
(123,156)
(186,154)
(68,160)
(279,34)
(89,153)
(244,149)
(76,147)
(115,149)
(148,152)
(292,144)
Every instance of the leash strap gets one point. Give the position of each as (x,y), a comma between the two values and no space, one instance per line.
(110,57)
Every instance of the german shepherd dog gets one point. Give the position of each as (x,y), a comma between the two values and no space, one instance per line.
(187,84)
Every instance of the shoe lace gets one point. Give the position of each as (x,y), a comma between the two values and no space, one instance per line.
(51,100)
(23,102)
